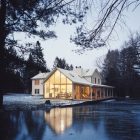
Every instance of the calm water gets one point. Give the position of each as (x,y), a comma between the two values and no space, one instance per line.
(117,120)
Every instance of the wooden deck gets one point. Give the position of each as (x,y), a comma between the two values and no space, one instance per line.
(63,95)
(74,102)
(67,97)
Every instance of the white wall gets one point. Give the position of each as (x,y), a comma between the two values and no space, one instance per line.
(40,87)
(97,76)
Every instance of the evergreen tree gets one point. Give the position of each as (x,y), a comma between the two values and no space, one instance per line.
(61,63)
(71,67)
(110,72)
(128,61)
(34,65)
(28,72)
(111,66)
(56,63)
(38,58)
(122,69)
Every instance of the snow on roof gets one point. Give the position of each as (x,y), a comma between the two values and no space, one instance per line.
(89,72)
(77,79)
(41,75)
(74,77)
(99,85)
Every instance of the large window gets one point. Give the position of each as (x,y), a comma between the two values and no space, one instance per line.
(82,92)
(47,88)
(58,85)
(51,86)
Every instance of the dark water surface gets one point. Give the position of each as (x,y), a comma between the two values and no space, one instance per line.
(116,120)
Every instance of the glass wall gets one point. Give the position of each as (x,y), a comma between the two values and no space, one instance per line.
(58,86)
(82,92)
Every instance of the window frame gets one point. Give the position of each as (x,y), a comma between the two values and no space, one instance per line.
(36,82)
(37,91)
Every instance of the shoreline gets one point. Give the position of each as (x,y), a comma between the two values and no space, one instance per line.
(28,102)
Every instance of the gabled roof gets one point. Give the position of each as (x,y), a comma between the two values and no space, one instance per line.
(75,78)
(90,72)
(99,85)
(41,76)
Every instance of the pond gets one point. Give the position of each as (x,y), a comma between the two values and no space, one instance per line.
(116,120)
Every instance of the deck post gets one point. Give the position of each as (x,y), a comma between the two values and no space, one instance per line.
(101,93)
(104,92)
(91,92)
(96,94)
(73,94)
(108,92)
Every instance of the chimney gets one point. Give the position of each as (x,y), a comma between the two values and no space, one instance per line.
(78,70)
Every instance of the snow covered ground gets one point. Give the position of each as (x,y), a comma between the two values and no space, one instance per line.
(23,102)
(23,99)
(27,101)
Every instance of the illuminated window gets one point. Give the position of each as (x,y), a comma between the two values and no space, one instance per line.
(69,88)
(63,79)
(47,89)
(36,91)
(36,82)
(69,81)
(57,85)
(52,89)
(57,77)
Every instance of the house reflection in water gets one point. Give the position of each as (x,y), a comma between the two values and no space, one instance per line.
(59,119)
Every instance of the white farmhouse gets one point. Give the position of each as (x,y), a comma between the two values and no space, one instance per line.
(81,84)
(38,83)
(91,75)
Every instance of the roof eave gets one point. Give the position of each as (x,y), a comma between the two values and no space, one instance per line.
(37,78)
(82,83)
(102,86)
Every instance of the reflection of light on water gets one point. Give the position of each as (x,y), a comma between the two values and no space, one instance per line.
(59,119)
(62,126)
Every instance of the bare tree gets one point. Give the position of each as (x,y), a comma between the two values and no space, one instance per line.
(110,14)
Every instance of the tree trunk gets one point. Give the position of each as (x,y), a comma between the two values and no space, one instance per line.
(2,49)
(1,99)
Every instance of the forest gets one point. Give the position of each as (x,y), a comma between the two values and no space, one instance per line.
(121,68)
(26,16)
(19,71)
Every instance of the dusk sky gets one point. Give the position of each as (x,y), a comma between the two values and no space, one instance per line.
(62,47)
